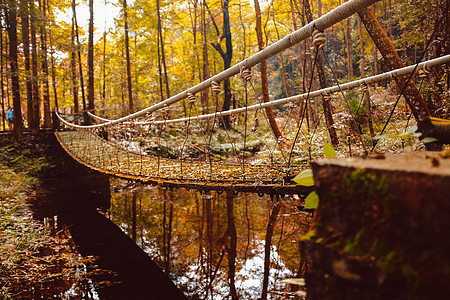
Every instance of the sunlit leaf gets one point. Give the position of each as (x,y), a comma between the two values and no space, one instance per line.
(405,135)
(312,201)
(429,140)
(412,129)
(329,151)
(382,137)
(304,178)
(295,281)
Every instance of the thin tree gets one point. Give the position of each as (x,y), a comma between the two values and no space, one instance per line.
(78,48)
(47,115)
(349,46)
(25,22)
(11,25)
(362,69)
(287,87)
(161,47)
(226,55)
(34,122)
(1,79)
(52,60)
(127,51)
(104,68)
(91,57)
(263,65)
(74,70)
(205,94)
(327,111)
(362,52)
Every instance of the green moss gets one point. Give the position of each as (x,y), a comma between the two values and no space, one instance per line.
(389,262)
(354,247)
(310,235)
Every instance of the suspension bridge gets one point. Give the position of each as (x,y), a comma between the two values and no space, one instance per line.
(113,146)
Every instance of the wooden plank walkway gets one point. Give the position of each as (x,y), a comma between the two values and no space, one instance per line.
(106,157)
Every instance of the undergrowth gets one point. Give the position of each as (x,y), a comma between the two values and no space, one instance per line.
(34,263)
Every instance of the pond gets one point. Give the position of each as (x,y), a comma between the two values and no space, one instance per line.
(213,245)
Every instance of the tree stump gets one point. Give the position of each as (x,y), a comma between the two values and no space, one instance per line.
(381,229)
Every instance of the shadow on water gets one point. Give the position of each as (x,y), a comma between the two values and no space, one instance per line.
(214,246)
(119,268)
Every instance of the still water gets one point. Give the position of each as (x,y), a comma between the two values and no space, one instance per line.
(213,246)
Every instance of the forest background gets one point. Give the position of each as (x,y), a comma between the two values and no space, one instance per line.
(159,48)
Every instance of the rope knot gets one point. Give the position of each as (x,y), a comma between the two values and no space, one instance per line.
(326,98)
(246,73)
(364,87)
(319,39)
(425,71)
(427,68)
(215,87)
(191,97)
(423,74)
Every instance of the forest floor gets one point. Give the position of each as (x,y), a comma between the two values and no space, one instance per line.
(36,260)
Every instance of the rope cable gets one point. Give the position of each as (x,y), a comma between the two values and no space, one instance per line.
(358,131)
(304,109)
(191,102)
(277,141)
(247,77)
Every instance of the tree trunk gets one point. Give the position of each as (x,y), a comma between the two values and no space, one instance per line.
(374,52)
(47,114)
(1,80)
(127,51)
(349,46)
(323,84)
(447,40)
(267,245)
(91,57)
(227,60)
(34,122)
(163,56)
(393,61)
(78,48)
(264,83)
(12,34)
(52,60)
(74,70)
(226,57)
(205,94)
(24,16)
(362,52)
(104,70)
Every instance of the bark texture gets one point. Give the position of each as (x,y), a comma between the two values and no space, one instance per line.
(127,51)
(414,99)
(12,34)
(263,65)
(91,57)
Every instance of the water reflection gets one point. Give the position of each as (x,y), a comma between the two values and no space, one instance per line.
(213,246)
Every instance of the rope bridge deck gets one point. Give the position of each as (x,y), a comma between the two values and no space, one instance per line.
(96,153)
